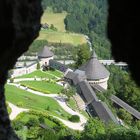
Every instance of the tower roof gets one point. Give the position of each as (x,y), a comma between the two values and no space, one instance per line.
(45,53)
(94,70)
(94,55)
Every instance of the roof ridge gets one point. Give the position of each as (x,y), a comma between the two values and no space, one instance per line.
(94,55)
(94,70)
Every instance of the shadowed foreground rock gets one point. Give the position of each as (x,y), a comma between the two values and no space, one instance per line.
(19,26)
(123,32)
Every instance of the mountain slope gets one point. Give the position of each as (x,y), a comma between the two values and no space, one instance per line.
(87,17)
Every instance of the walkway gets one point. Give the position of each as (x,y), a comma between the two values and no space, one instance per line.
(15,111)
(75,126)
(109,62)
(127,107)
(28,79)
(104,62)
(32,79)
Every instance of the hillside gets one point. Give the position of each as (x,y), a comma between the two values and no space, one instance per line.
(86,17)
(36,104)
(59,34)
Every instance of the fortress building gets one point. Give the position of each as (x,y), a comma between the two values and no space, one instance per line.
(89,78)
(95,72)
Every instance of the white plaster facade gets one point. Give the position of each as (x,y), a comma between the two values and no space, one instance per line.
(45,61)
(24,70)
(30,69)
(101,82)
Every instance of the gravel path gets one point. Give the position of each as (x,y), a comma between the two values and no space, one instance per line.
(32,79)
(15,111)
(27,79)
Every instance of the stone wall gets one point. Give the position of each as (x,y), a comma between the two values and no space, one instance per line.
(19,26)
(25,70)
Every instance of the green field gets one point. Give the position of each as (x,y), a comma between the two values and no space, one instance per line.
(72,104)
(55,73)
(31,101)
(61,37)
(37,74)
(43,86)
(57,19)
(43,74)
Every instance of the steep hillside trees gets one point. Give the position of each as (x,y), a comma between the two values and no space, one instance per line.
(87,17)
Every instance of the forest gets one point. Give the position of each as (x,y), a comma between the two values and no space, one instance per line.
(94,130)
(122,85)
(87,17)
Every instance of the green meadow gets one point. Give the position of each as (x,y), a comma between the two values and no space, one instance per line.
(62,37)
(43,86)
(57,19)
(28,100)
(43,74)
(59,36)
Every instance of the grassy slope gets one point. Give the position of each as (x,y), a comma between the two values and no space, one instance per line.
(57,19)
(37,74)
(55,73)
(31,101)
(43,86)
(66,38)
(72,104)
(43,74)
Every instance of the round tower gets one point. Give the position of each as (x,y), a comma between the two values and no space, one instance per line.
(45,55)
(95,72)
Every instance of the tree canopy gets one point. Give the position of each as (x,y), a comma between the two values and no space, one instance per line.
(121,84)
(87,17)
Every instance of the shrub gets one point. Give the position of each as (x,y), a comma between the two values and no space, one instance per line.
(48,108)
(11,80)
(20,104)
(74,118)
(41,119)
(124,115)
(53,28)
(38,66)
(52,69)
(32,122)
(33,133)
(63,115)
(17,125)
(38,113)
(50,135)
(43,114)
